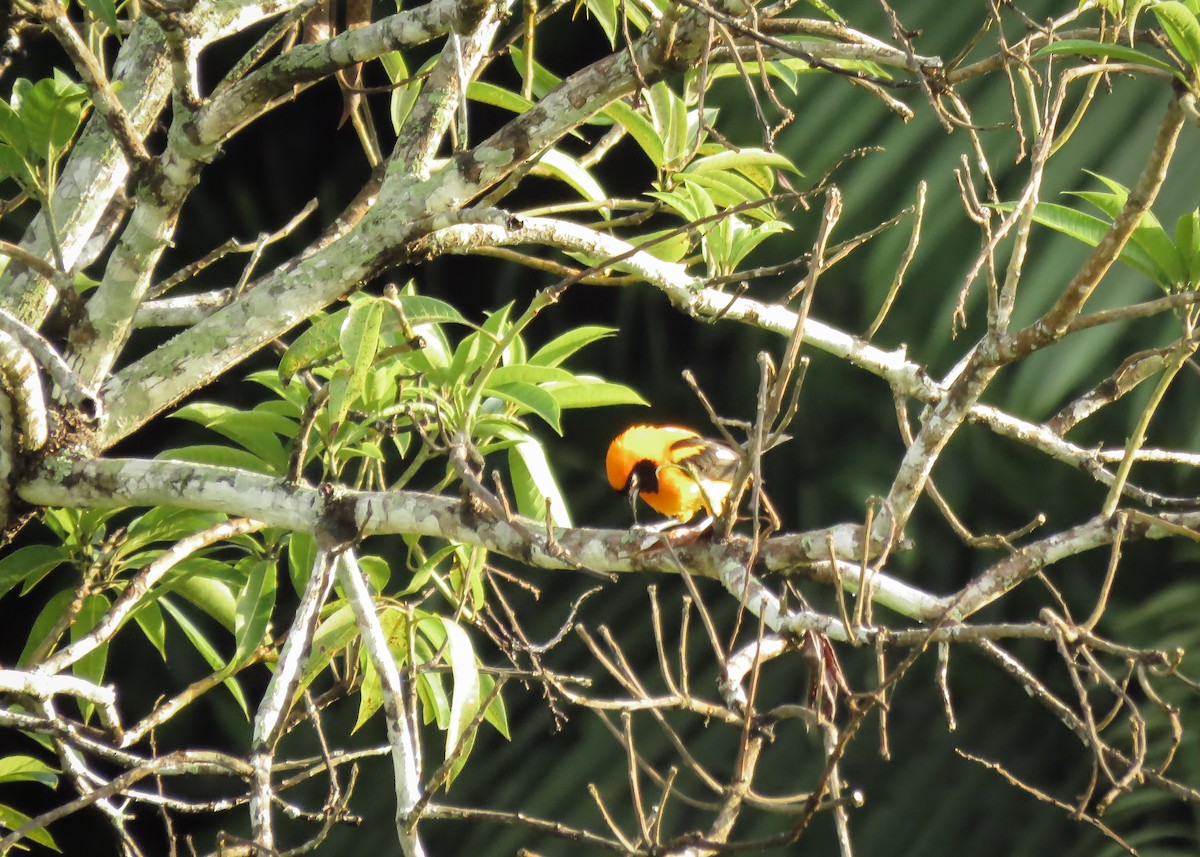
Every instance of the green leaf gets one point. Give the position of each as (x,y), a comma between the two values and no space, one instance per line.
(150,619)
(403,97)
(221,456)
(14,166)
(489,93)
(1088,229)
(208,652)
(1104,50)
(1187,242)
(104,11)
(11,819)
(543,79)
(377,570)
(26,769)
(1182,29)
(563,346)
(255,604)
(670,245)
(316,345)
(534,484)
(359,339)
(787,70)
(607,15)
(32,562)
(639,128)
(44,623)
(51,111)
(258,431)
(587,392)
(210,585)
(419,309)
(333,635)
(358,336)
(12,131)
(91,666)
(427,568)
(394,625)
(529,373)
(302,553)
(728,190)
(665,107)
(743,238)
(680,201)
(166,524)
(741,159)
(465,699)
(530,399)
(495,714)
(1148,238)
(565,167)
(473,351)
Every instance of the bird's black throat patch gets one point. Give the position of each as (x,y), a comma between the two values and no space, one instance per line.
(645,474)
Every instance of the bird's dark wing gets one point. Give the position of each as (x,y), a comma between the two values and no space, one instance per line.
(707,458)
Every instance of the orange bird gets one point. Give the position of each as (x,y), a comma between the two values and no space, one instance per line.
(675,470)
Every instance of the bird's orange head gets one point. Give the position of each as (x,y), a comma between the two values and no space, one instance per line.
(641,450)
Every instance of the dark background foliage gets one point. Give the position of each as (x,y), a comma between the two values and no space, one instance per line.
(925,800)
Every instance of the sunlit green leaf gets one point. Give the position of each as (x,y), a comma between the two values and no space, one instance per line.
(1187,242)
(50,112)
(465,698)
(543,79)
(207,585)
(258,431)
(741,159)
(564,345)
(11,819)
(302,553)
(530,373)
(1104,50)
(607,15)
(105,11)
(404,96)
(394,625)
(166,524)
(150,619)
(495,715)
(587,392)
(534,484)
(333,634)
(12,131)
(359,341)
(565,167)
(222,456)
(531,399)
(639,128)
(318,344)
(489,93)
(421,309)
(1182,29)
(377,570)
(255,604)
(1088,229)
(16,167)
(26,769)
(670,245)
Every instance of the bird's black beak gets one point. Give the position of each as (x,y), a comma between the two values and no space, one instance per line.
(631,491)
